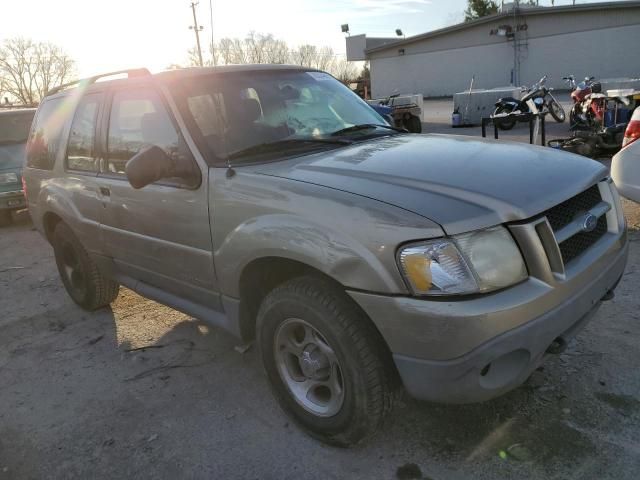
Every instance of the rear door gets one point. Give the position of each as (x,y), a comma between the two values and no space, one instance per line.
(159,234)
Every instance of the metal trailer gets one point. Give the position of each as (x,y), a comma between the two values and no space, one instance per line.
(406,110)
(473,105)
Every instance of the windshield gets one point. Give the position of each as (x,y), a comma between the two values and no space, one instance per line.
(233,112)
(15,126)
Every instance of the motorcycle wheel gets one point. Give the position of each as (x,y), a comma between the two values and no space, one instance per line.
(556,110)
(576,145)
(501,110)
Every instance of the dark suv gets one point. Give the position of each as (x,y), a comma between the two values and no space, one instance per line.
(14,130)
(272,202)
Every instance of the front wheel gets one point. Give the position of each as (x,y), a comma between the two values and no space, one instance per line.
(556,110)
(326,362)
(504,110)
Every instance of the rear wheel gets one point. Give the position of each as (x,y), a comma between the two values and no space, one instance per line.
(413,124)
(502,110)
(81,277)
(326,363)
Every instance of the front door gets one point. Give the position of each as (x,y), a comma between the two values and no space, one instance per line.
(158,234)
(81,166)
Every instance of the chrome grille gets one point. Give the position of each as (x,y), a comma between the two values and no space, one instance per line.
(566,212)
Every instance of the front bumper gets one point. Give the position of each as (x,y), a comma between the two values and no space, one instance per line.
(12,200)
(470,350)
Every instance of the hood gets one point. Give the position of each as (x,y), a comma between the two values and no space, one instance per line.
(462,183)
(12,156)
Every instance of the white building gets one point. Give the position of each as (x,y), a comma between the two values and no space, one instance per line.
(514,47)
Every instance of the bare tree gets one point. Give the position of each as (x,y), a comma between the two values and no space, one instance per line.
(264,48)
(344,70)
(28,69)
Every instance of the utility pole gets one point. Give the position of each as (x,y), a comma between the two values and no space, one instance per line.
(213,51)
(197,29)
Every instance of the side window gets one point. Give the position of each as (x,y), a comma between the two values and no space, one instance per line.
(138,119)
(80,154)
(45,135)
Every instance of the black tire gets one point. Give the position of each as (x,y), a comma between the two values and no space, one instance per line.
(556,110)
(502,109)
(413,124)
(369,379)
(82,279)
(575,145)
(5,218)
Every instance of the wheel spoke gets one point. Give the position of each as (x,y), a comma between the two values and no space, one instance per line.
(309,367)
(289,344)
(334,383)
(326,349)
(309,336)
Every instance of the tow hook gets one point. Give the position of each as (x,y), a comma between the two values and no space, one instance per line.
(608,296)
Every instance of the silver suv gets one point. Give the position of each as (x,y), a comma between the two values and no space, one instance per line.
(274,203)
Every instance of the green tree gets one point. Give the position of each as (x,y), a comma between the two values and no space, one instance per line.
(479,8)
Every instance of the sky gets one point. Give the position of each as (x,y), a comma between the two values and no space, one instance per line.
(107,35)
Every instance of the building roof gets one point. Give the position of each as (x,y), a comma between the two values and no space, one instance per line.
(528,11)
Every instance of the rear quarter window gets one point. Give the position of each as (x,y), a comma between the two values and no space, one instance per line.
(44,139)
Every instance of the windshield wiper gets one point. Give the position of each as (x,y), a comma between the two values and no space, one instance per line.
(12,142)
(366,126)
(288,142)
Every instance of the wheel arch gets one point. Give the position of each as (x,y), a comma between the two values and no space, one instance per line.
(49,222)
(262,275)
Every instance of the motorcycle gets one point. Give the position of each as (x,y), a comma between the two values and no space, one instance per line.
(541,96)
(589,104)
(592,143)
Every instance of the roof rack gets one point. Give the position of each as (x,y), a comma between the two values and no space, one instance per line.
(131,73)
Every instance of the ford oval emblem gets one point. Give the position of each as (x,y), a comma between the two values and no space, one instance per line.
(589,223)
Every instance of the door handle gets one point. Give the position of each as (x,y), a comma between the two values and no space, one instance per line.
(105,192)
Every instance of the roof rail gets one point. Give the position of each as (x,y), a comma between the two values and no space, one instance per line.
(131,73)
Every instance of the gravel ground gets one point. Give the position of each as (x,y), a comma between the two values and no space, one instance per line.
(142,391)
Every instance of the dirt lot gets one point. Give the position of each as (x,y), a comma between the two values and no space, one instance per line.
(141,391)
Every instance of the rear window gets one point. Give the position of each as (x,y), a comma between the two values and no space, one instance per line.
(14,126)
(45,135)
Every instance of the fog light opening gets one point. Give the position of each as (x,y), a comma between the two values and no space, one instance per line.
(504,370)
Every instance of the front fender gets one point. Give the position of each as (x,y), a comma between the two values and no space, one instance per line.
(291,237)
(350,238)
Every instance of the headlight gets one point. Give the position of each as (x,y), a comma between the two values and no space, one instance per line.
(8,178)
(473,262)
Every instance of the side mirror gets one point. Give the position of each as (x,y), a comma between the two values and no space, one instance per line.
(147,166)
